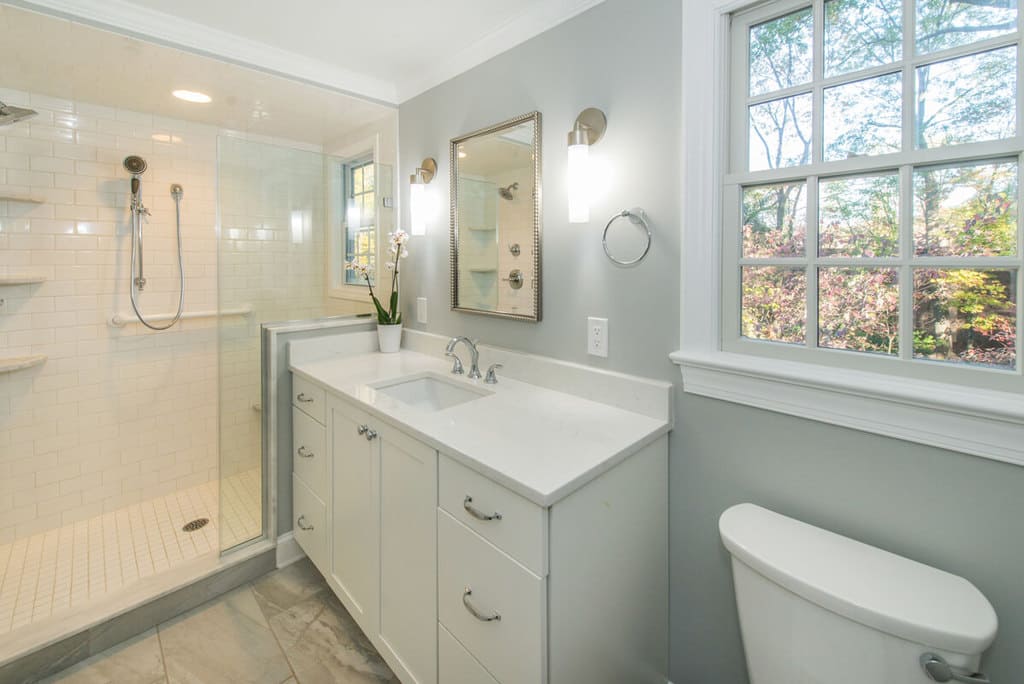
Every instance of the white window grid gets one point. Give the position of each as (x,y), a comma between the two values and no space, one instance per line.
(904,163)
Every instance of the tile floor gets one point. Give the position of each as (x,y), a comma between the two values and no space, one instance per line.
(64,568)
(285,628)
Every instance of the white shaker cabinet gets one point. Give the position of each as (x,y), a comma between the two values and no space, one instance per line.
(384,538)
(457,579)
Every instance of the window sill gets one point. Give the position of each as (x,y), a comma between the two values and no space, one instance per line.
(980,422)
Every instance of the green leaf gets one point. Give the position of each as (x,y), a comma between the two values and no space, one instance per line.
(394,303)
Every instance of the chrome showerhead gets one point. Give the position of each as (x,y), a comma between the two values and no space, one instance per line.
(10,115)
(509,193)
(135,165)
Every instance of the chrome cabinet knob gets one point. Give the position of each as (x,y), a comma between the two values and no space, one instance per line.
(467,503)
(304,453)
(482,617)
(371,435)
(363,429)
(302,525)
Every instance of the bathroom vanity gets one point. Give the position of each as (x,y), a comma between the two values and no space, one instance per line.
(504,533)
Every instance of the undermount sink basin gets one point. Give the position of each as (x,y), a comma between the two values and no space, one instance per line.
(429,392)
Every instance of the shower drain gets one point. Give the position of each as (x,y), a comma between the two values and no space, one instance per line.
(197,524)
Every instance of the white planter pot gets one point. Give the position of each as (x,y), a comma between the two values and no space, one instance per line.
(389,337)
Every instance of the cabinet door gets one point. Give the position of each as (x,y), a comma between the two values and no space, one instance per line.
(408,555)
(355,516)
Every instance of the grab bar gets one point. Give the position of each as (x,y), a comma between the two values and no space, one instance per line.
(120,320)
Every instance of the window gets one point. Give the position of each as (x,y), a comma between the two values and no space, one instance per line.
(871,200)
(360,218)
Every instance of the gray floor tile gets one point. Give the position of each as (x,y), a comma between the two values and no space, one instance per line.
(227,640)
(324,644)
(137,660)
(285,588)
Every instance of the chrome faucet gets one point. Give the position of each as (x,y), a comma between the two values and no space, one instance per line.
(474,355)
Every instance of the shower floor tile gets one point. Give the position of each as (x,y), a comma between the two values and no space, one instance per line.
(64,568)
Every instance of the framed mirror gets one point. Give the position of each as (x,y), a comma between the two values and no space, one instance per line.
(495,220)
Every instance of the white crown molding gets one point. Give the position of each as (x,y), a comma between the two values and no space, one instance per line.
(546,16)
(127,18)
(130,19)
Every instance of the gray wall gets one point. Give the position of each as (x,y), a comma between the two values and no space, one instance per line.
(959,513)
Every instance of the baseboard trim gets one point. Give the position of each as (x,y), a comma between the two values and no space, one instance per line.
(288,550)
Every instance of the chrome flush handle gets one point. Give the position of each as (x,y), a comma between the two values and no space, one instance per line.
(938,670)
(482,617)
(476,512)
(304,453)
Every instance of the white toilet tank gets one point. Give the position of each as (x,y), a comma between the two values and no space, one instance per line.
(819,608)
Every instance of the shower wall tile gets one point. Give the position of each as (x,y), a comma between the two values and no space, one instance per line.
(116,416)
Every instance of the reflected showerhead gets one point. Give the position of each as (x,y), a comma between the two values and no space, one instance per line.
(509,193)
(10,115)
(135,165)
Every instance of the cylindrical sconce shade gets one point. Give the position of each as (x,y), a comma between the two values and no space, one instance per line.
(417,209)
(579,195)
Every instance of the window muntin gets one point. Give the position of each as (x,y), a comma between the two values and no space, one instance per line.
(360,218)
(876,186)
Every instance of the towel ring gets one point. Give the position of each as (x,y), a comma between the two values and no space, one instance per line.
(638,217)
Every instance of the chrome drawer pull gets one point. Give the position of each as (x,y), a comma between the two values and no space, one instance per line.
(476,512)
(304,399)
(363,429)
(305,454)
(299,522)
(476,613)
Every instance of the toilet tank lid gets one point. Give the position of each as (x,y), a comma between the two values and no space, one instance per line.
(865,584)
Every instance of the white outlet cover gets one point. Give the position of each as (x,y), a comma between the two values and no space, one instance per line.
(421,309)
(597,337)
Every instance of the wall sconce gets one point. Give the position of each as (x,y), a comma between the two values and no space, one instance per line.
(419,204)
(589,128)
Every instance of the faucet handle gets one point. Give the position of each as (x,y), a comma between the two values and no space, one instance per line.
(492,377)
(457,366)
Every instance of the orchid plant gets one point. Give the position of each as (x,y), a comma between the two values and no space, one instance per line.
(390,315)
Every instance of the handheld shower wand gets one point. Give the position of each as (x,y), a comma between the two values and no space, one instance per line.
(137,166)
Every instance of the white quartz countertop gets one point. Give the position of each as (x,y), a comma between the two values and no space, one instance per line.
(540,443)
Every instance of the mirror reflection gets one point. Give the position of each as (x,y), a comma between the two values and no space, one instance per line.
(495,220)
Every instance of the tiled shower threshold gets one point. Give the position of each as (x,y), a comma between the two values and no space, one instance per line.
(38,650)
(77,586)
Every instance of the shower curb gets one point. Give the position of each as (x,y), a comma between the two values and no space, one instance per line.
(74,648)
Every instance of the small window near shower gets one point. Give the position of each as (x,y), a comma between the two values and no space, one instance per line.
(360,221)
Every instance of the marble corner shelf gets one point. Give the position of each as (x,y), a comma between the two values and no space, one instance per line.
(25,199)
(14,363)
(23,279)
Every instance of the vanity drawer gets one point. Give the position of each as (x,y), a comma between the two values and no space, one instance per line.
(521,531)
(310,398)
(310,523)
(473,575)
(309,459)
(455,665)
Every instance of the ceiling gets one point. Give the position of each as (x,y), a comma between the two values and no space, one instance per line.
(69,60)
(387,50)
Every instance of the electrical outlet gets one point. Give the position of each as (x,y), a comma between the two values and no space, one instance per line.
(421,309)
(597,337)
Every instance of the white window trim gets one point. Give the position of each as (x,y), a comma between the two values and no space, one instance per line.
(985,423)
(336,219)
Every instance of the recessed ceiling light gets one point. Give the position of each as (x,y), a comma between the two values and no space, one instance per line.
(192,96)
